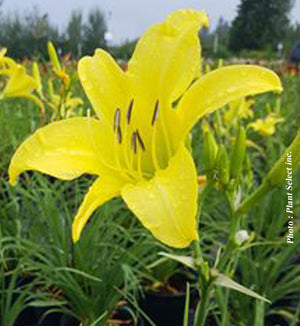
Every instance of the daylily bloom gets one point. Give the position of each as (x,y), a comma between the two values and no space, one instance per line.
(20,84)
(62,106)
(6,63)
(266,127)
(137,146)
(239,109)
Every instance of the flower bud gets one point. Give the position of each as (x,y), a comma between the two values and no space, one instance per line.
(241,237)
(53,57)
(278,172)
(210,149)
(238,154)
(223,166)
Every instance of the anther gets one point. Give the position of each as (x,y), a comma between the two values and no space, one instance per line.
(140,140)
(133,142)
(155,113)
(117,120)
(119,134)
(129,110)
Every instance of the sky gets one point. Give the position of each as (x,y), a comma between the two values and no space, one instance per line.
(127,19)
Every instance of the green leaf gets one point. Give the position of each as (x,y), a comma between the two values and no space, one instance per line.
(185,260)
(187,305)
(223,280)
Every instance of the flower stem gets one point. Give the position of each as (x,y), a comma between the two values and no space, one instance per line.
(204,286)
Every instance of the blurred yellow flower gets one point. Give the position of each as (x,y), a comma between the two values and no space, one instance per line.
(266,127)
(6,64)
(62,105)
(20,84)
(137,146)
(239,109)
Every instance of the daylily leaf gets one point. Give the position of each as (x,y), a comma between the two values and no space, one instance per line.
(185,260)
(225,281)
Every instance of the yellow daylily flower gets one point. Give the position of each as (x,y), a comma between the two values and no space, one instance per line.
(20,84)
(137,146)
(266,127)
(62,106)
(239,109)
(6,64)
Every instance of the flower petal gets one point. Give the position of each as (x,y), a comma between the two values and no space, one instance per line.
(19,82)
(167,204)
(220,87)
(167,56)
(104,83)
(103,189)
(64,149)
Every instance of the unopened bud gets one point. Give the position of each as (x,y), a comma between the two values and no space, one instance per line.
(53,57)
(241,237)
(238,154)
(223,166)
(210,149)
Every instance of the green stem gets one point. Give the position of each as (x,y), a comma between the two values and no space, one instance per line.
(204,286)
(202,309)
(234,226)
(254,198)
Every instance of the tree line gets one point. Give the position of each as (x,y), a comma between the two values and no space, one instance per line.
(260,28)
(27,36)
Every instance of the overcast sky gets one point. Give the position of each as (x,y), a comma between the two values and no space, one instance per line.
(129,18)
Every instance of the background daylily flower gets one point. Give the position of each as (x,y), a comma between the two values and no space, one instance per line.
(6,63)
(62,107)
(241,108)
(20,84)
(266,127)
(137,146)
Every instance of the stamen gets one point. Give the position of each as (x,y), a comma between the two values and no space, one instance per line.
(117,120)
(155,113)
(140,140)
(129,110)
(119,134)
(133,142)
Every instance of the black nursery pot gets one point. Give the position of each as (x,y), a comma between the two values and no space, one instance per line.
(56,318)
(163,309)
(34,317)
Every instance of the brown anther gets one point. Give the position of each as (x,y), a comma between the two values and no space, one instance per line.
(155,113)
(129,110)
(133,142)
(119,135)
(117,119)
(140,140)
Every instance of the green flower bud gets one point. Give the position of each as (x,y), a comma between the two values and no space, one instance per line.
(279,170)
(289,159)
(248,171)
(223,166)
(210,149)
(238,154)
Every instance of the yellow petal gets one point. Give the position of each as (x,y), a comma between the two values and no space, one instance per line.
(167,56)
(102,190)
(64,149)
(105,84)
(165,62)
(220,87)
(19,82)
(167,204)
